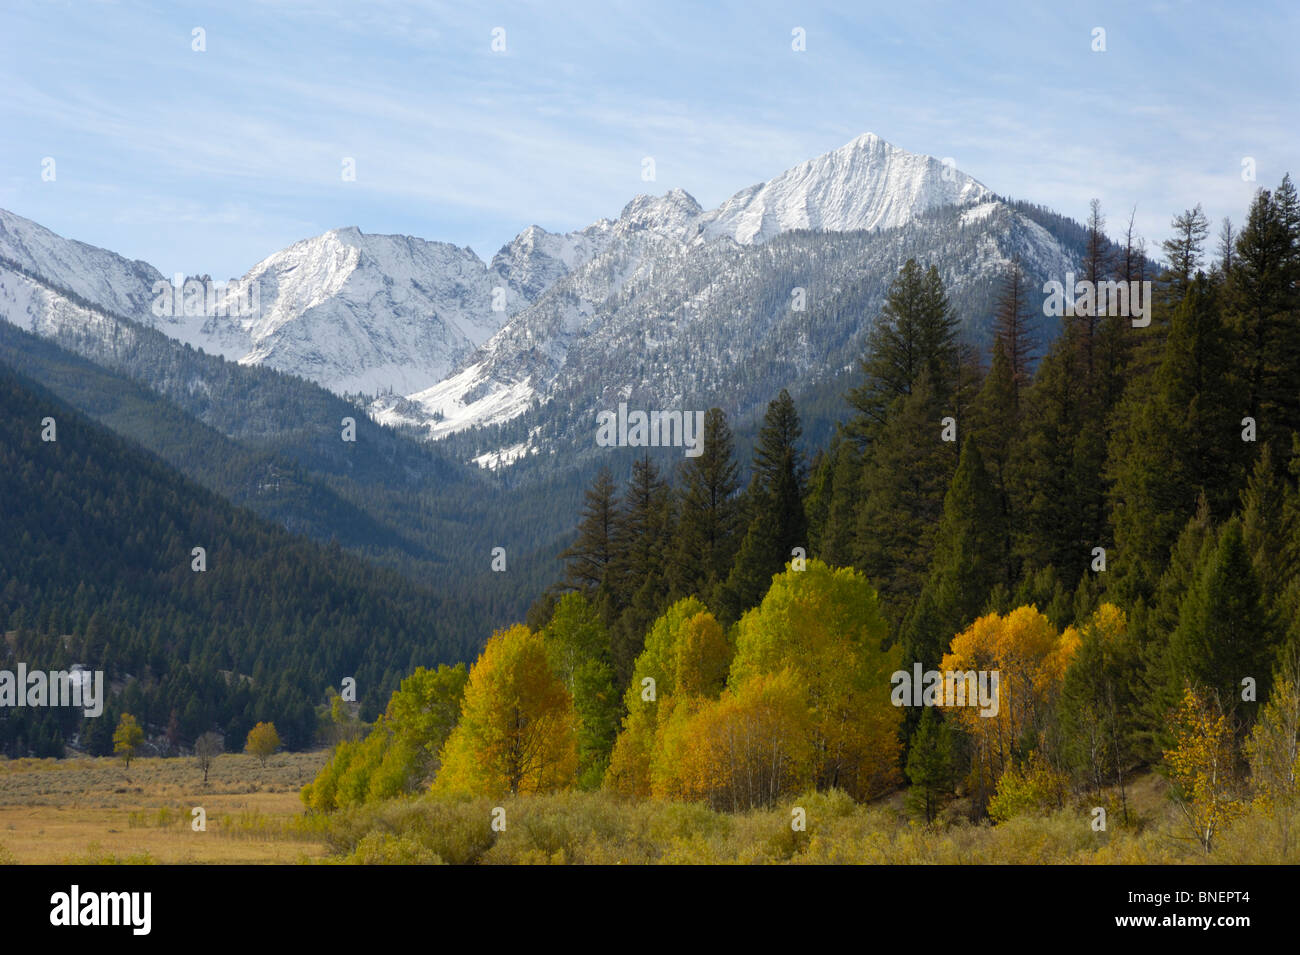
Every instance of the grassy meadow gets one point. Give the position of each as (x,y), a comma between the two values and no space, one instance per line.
(92,810)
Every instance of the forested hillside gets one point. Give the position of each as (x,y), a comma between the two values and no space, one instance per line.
(1111,528)
(96,554)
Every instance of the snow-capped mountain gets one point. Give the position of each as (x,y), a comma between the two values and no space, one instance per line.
(685,304)
(351,311)
(866,184)
(668,302)
(95,274)
(357,312)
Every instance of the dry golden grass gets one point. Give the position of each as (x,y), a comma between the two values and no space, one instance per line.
(95,810)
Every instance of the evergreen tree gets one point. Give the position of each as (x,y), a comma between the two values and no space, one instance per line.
(589,556)
(906,475)
(777,523)
(709,512)
(995,422)
(1059,472)
(930,766)
(1014,325)
(834,500)
(1176,438)
(965,566)
(1185,248)
(636,578)
(1224,634)
(1264,297)
(915,332)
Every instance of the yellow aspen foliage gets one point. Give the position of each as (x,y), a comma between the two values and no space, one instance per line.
(702,657)
(127,738)
(1274,753)
(826,628)
(685,655)
(262,741)
(672,722)
(629,762)
(1036,788)
(1202,766)
(747,750)
(517,730)
(1030,658)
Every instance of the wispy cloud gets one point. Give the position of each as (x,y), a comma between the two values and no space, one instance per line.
(203,161)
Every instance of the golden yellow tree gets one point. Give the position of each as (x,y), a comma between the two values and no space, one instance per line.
(262,741)
(127,738)
(1274,752)
(1202,766)
(517,730)
(1029,657)
(825,626)
(685,657)
(747,750)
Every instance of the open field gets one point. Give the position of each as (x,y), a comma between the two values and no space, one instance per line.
(94,810)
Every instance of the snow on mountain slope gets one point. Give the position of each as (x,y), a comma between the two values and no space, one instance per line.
(865,184)
(670,281)
(357,312)
(665,301)
(351,311)
(97,275)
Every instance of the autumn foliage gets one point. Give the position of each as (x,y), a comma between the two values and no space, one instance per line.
(517,731)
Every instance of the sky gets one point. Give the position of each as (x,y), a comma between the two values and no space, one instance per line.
(205,161)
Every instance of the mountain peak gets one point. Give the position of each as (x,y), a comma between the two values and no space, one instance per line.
(672,213)
(865,184)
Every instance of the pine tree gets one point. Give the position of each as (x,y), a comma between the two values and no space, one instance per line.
(1059,470)
(836,500)
(930,766)
(1185,248)
(636,579)
(1264,298)
(1175,439)
(589,556)
(995,422)
(777,521)
(906,475)
(1224,633)
(709,512)
(1096,267)
(965,566)
(916,331)
(1014,325)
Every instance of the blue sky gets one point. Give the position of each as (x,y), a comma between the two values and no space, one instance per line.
(210,161)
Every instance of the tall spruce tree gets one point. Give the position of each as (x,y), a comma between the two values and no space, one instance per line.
(708,530)
(1177,436)
(1264,298)
(995,423)
(833,502)
(1224,633)
(777,521)
(1014,325)
(588,558)
(904,480)
(1185,249)
(637,578)
(916,331)
(965,566)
